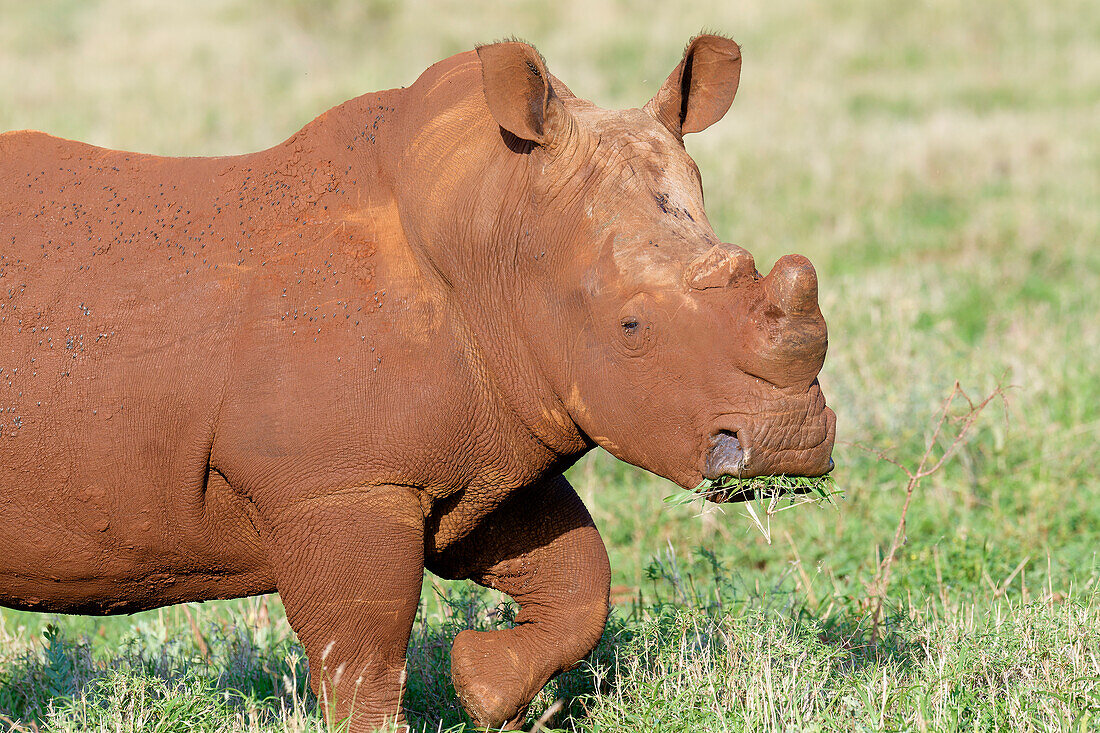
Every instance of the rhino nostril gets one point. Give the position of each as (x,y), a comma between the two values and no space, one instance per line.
(726,457)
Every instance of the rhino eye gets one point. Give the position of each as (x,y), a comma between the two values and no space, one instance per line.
(636,324)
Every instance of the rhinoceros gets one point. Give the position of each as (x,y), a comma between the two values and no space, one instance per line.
(373,349)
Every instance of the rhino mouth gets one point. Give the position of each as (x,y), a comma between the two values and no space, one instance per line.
(731,475)
(731,454)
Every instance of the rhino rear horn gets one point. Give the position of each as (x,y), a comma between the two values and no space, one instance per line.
(518,91)
(719,266)
(700,90)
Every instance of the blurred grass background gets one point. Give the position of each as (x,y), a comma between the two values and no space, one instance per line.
(939,162)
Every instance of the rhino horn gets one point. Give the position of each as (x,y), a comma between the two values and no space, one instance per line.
(792,286)
(798,338)
(719,266)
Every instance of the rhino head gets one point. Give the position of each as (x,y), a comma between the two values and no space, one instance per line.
(663,344)
(674,353)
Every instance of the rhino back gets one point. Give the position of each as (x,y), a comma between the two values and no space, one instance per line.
(113,330)
(182,338)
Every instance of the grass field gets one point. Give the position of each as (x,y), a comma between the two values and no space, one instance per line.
(940,164)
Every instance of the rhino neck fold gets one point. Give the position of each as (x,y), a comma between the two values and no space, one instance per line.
(460,188)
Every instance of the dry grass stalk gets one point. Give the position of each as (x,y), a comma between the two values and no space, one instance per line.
(880,583)
(196,632)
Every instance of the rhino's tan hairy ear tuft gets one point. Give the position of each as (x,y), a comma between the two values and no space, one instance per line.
(518,91)
(700,90)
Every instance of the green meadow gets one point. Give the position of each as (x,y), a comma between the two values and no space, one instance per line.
(939,162)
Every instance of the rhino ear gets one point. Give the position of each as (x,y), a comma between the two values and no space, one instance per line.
(517,88)
(700,90)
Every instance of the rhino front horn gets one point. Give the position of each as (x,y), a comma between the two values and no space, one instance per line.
(719,266)
(792,285)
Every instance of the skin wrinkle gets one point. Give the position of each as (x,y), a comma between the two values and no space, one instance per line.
(413,318)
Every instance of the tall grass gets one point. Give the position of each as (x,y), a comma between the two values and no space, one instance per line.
(708,651)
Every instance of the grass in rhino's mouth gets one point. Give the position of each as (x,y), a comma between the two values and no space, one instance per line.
(764,496)
(732,488)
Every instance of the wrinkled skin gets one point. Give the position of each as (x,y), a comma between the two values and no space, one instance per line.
(374,348)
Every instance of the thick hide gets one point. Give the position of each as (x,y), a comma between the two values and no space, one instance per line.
(374,348)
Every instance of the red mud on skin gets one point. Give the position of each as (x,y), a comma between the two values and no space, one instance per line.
(371,350)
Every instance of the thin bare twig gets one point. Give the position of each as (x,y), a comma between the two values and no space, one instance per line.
(927,466)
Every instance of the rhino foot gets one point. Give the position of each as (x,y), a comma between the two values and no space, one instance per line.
(491,680)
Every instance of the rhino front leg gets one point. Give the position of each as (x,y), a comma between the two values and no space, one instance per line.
(349,569)
(542,549)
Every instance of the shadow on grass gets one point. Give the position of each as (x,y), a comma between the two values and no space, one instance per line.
(257,675)
(691,623)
